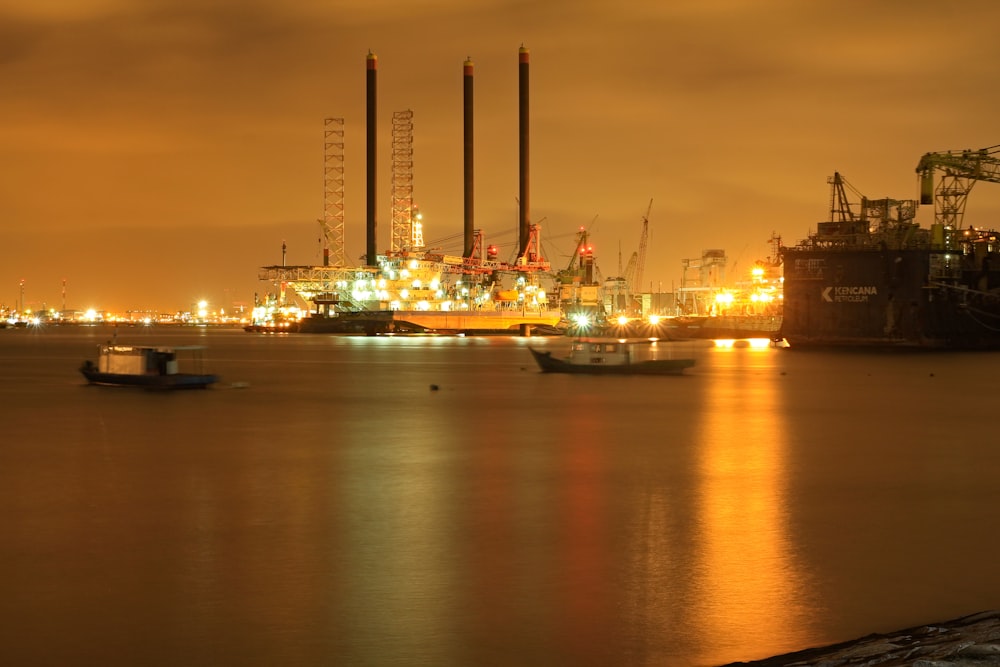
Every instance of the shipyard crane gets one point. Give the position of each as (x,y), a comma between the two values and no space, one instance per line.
(633,273)
(628,274)
(959,172)
(840,207)
(579,253)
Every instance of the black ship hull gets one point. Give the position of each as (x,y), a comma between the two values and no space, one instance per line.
(377,323)
(724,327)
(549,364)
(876,296)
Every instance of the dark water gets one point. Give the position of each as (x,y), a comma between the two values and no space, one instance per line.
(330,508)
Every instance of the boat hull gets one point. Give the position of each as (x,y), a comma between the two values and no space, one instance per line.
(155,382)
(550,364)
(886,298)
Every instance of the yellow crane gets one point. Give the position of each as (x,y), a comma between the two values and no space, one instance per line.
(959,172)
(633,272)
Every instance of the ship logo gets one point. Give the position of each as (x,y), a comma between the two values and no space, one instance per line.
(847,294)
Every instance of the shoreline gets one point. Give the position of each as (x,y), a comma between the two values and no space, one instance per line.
(965,641)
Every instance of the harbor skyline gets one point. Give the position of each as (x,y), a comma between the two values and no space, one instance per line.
(159,155)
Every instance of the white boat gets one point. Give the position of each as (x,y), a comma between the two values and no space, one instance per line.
(607,356)
(150,367)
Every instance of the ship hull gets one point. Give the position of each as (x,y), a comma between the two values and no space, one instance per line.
(878,297)
(435,322)
(724,327)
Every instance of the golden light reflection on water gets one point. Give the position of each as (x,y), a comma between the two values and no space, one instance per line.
(585,538)
(649,606)
(393,570)
(748,580)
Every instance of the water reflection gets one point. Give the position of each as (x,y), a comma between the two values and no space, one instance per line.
(394,544)
(582,549)
(339,511)
(657,586)
(749,581)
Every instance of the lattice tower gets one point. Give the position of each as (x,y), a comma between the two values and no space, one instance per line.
(402,181)
(333,193)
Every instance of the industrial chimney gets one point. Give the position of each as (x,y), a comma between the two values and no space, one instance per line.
(371,257)
(469,231)
(524,232)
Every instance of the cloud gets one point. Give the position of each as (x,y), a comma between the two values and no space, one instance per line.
(729,114)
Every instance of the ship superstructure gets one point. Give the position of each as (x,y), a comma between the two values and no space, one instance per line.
(872,276)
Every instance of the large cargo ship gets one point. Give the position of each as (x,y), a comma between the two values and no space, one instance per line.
(874,277)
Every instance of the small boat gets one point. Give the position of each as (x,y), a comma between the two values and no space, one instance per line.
(147,366)
(607,356)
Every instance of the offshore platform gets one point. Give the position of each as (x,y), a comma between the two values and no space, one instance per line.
(409,288)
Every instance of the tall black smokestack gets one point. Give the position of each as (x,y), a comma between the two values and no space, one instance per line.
(523,229)
(468,143)
(372,227)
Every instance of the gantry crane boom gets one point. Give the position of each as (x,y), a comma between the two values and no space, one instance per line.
(840,207)
(643,241)
(959,172)
(633,272)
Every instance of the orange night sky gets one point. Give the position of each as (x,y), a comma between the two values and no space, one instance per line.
(158,152)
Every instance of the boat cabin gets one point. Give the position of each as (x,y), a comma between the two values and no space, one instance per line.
(139,360)
(602,352)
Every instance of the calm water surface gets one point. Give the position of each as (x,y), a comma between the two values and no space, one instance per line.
(323,505)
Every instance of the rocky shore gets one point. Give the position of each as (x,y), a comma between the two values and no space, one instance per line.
(970,641)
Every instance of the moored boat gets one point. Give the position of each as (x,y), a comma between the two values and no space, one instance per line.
(874,277)
(608,356)
(149,367)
